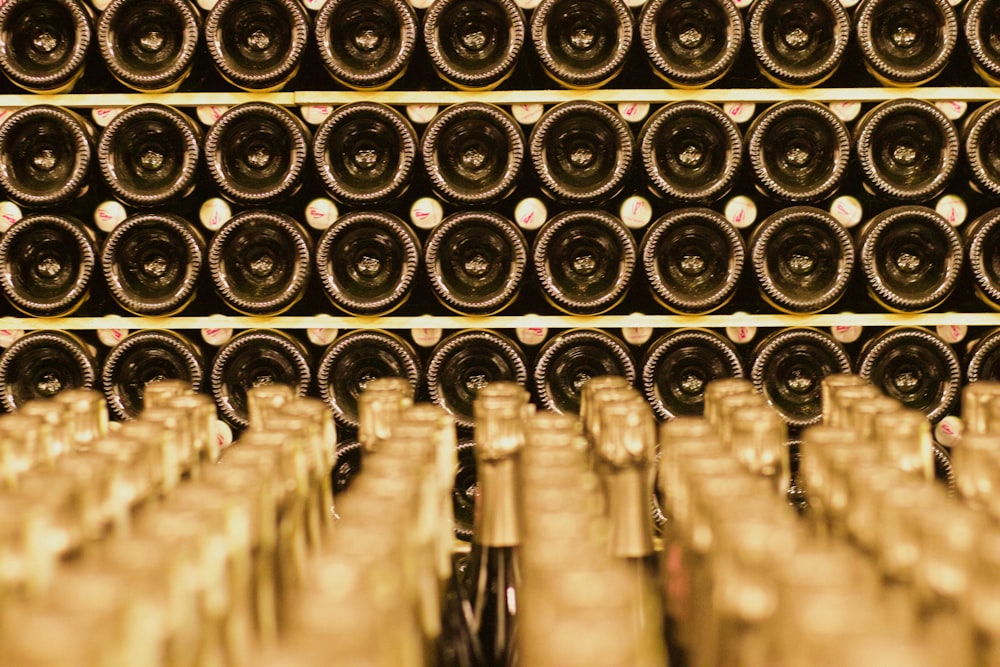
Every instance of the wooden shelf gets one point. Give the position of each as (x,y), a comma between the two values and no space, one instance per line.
(503,97)
(504,321)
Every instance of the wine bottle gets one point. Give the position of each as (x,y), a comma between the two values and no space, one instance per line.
(149,154)
(984,360)
(149,45)
(365,153)
(476,261)
(691,44)
(581,151)
(584,260)
(349,463)
(907,149)
(679,365)
(798,151)
(367,262)
(253,358)
(798,43)
(259,262)
(257,46)
(906,44)
(570,358)
(474,44)
(40,364)
(145,357)
(366,45)
(472,153)
(582,43)
(911,258)
(982,245)
(45,154)
(256,153)
(693,259)
(353,360)
(802,258)
(981,145)
(788,368)
(465,491)
(46,43)
(47,262)
(691,151)
(494,565)
(152,263)
(981,27)
(915,367)
(465,362)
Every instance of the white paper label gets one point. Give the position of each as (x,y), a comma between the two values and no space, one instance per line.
(9,214)
(321,213)
(948,431)
(637,335)
(741,211)
(8,336)
(104,115)
(953,209)
(740,112)
(426,213)
(314,5)
(209,113)
(952,333)
(530,213)
(636,212)
(426,336)
(526,114)
(321,336)
(214,213)
(421,113)
(216,335)
(111,337)
(846,210)
(633,112)
(846,111)
(223,434)
(314,114)
(953,109)
(108,215)
(846,333)
(741,335)
(531,335)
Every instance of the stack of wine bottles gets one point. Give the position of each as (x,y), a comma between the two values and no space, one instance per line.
(526,200)
(482,44)
(907,256)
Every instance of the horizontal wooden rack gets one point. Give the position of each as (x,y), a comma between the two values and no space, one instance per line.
(502,97)
(504,321)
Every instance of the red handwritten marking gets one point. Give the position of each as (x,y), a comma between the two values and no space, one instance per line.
(9,218)
(946,427)
(421,214)
(315,212)
(211,332)
(739,216)
(735,109)
(528,218)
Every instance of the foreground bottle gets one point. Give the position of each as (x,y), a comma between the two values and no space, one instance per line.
(493,573)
